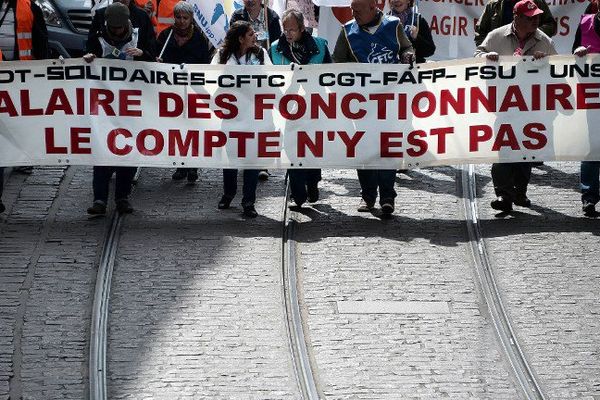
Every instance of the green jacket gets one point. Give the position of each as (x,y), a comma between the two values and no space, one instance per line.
(492,19)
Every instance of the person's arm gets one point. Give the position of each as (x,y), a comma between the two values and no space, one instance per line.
(406,52)
(484,25)
(147,40)
(342,52)
(274,27)
(424,45)
(485,49)
(39,34)
(327,57)
(267,60)
(547,21)
(92,45)
(577,41)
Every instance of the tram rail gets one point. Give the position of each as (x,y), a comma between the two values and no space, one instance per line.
(520,367)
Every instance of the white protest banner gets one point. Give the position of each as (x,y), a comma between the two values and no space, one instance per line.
(213,17)
(343,116)
(452,23)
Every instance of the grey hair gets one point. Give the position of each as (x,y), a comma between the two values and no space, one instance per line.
(185,7)
(297,15)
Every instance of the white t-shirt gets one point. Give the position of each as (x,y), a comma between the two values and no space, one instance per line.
(244,60)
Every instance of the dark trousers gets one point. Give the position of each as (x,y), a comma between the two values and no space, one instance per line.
(300,179)
(590,185)
(511,179)
(1,181)
(248,187)
(123,180)
(372,179)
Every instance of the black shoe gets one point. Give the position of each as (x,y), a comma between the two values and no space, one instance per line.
(589,209)
(2,208)
(97,208)
(224,203)
(250,212)
(401,171)
(23,170)
(180,174)
(502,204)
(124,207)
(387,208)
(365,206)
(192,176)
(522,201)
(263,175)
(313,193)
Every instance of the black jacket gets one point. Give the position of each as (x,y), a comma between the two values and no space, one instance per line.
(274,26)
(196,51)
(139,19)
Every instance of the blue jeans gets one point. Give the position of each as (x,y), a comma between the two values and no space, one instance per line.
(123,181)
(372,179)
(300,179)
(590,190)
(248,187)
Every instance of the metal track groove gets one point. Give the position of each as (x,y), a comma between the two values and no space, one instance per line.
(99,325)
(297,341)
(485,274)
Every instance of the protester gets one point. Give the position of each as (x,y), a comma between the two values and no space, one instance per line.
(520,38)
(587,41)
(374,37)
(146,38)
(240,48)
(297,46)
(498,13)
(23,36)
(184,43)
(415,27)
(593,7)
(267,30)
(117,39)
(149,6)
(164,14)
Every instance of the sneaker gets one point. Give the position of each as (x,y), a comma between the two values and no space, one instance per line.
(124,207)
(23,170)
(313,193)
(365,206)
(98,208)
(192,176)
(589,209)
(502,204)
(224,203)
(263,175)
(250,212)
(2,208)
(179,174)
(387,208)
(522,201)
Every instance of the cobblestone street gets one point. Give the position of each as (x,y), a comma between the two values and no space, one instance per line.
(390,308)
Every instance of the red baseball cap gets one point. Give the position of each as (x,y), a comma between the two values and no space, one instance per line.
(527,8)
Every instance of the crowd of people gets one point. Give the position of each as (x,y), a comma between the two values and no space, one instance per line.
(165,31)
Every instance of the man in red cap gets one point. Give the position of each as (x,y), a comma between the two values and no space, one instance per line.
(519,38)
(498,13)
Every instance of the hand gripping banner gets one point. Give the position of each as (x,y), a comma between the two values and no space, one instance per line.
(333,116)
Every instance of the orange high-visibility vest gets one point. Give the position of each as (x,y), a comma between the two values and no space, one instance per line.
(165,15)
(24,21)
(142,4)
(0,54)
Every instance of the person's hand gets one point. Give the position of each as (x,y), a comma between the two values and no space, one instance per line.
(581,51)
(89,57)
(159,60)
(134,52)
(539,55)
(413,31)
(492,56)
(408,58)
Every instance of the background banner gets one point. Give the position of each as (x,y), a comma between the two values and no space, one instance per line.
(453,22)
(342,116)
